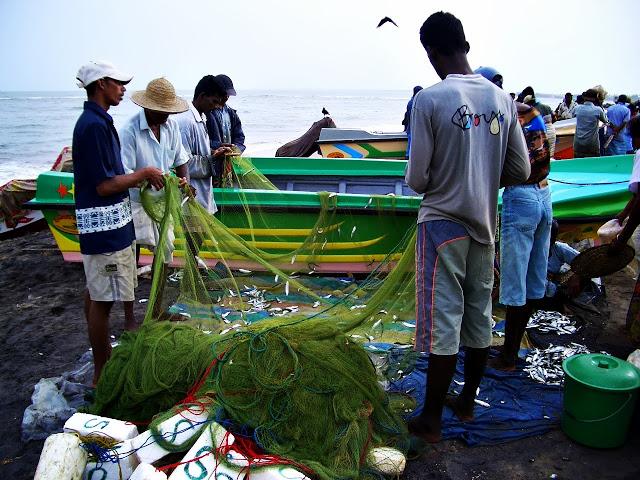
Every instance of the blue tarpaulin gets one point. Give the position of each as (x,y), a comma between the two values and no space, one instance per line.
(519,407)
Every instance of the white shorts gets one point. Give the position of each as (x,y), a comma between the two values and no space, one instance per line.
(111,277)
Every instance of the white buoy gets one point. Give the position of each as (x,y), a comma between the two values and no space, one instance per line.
(123,465)
(277,472)
(84,424)
(386,460)
(146,471)
(61,457)
(176,430)
(207,465)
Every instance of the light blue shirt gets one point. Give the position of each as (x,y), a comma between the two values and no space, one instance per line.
(588,118)
(617,115)
(140,148)
(195,140)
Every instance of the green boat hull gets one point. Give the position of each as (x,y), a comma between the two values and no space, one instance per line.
(365,230)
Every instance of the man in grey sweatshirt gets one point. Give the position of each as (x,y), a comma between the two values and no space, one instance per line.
(466,143)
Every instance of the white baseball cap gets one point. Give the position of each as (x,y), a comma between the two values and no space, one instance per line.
(93,71)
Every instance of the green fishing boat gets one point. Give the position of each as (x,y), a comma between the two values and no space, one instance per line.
(357,232)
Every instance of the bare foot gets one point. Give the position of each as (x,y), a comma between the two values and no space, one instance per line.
(463,412)
(499,363)
(421,428)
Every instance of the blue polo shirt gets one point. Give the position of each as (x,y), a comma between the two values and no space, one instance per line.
(104,222)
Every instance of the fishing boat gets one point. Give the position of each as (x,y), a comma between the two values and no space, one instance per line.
(361,230)
(316,174)
(350,143)
(565,130)
(366,230)
(15,218)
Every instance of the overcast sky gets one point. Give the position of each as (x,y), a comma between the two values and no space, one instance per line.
(553,45)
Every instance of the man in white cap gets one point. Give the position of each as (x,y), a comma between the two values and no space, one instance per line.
(152,138)
(103,209)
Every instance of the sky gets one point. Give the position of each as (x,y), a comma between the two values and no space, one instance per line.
(555,46)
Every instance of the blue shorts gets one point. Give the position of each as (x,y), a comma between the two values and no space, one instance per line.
(524,243)
(454,278)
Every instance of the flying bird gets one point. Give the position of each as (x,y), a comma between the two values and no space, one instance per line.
(324,111)
(385,20)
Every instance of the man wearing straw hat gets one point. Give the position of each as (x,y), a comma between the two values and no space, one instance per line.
(103,210)
(151,138)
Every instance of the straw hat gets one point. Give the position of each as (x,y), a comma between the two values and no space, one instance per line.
(160,96)
(597,261)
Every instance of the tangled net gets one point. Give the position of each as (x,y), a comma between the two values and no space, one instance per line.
(300,384)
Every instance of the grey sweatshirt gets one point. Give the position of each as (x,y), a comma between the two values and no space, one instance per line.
(466,143)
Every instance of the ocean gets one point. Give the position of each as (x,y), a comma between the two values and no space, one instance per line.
(35,126)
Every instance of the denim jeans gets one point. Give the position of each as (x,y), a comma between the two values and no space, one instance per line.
(524,243)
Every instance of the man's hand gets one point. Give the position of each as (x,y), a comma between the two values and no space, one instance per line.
(182,181)
(154,176)
(221,151)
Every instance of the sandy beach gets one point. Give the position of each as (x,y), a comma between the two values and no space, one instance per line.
(43,334)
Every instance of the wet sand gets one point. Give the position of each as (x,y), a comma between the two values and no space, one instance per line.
(43,334)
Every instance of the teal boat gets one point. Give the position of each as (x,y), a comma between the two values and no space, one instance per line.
(366,229)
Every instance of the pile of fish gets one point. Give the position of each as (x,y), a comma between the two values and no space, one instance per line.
(545,365)
(548,322)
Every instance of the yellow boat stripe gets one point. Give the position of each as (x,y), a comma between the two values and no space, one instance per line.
(296,245)
(277,232)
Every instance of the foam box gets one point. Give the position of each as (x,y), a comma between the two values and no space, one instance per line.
(176,430)
(123,468)
(147,472)
(84,424)
(207,466)
(277,472)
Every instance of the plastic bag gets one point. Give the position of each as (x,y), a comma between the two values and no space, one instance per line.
(55,399)
(608,232)
(47,413)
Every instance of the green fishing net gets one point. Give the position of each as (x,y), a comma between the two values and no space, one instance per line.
(276,349)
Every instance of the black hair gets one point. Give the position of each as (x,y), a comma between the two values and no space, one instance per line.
(634,127)
(91,88)
(209,85)
(444,32)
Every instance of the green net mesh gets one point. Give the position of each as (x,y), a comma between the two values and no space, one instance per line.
(284,348)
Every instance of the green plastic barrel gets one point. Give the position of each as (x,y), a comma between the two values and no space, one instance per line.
(600,393)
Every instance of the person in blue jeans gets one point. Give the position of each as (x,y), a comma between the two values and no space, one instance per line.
(524,240)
